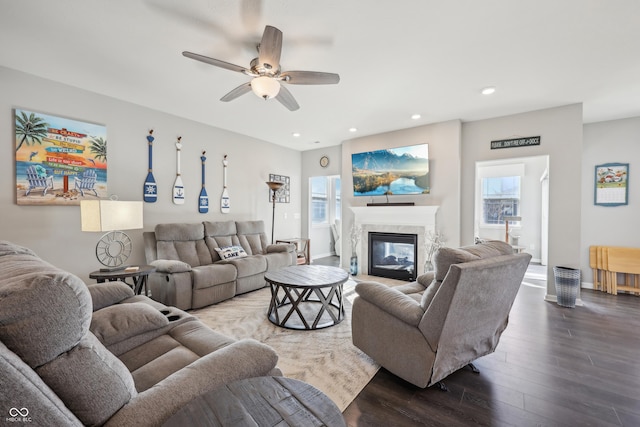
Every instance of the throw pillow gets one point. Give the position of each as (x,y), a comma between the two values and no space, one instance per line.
(231,252)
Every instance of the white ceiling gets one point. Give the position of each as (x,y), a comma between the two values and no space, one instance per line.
(395,58)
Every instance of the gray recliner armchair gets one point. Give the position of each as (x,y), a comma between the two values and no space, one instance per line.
(425,330)
(73,355)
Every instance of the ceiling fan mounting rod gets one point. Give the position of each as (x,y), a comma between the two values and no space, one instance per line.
(264,69)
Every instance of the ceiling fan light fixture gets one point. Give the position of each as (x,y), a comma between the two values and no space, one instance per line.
(265,87)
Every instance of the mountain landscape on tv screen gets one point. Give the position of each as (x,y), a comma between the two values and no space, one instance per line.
(385,172)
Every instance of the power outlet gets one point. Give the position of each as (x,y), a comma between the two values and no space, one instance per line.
(285,215)
(532,247)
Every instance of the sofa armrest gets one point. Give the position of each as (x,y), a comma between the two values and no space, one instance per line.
(427,278)
(123,321)
(246,358)
(170,266)
(108,293)
(391,301)
(281,247)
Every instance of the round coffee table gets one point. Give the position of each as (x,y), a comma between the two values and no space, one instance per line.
(260,401)
(306,296)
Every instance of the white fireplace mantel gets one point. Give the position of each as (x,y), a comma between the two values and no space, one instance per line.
(418,220)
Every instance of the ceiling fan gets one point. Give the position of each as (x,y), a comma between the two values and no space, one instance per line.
(266,72)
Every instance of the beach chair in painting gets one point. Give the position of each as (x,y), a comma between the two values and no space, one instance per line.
(38,178)
(86,182)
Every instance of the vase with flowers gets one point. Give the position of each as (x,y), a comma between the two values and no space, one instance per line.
(433,241)
(355,233)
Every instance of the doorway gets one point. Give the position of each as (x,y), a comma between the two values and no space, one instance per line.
(517,189)
(324,215)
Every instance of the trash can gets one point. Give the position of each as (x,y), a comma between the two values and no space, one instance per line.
(567,285)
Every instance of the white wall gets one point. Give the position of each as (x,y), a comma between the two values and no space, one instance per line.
(444,164)
(616,141)
(54,231)
(560,130)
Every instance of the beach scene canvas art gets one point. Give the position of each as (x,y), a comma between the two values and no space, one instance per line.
(59,161)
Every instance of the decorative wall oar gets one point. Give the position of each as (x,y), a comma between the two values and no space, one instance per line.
(224,200)
(178,187)
(203,200)
(150,187)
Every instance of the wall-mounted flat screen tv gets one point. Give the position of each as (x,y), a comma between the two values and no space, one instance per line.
(397,171)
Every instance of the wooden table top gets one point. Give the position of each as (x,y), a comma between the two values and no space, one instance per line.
(261,401)
(307,276)
(116,274)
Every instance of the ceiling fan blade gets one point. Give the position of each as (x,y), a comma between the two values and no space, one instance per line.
(270,48)
(239,91)
(286,99)
(309,78)
(217,62)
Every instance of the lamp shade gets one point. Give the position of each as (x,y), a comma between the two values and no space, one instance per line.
(275,185)
(265,87)
(109,215)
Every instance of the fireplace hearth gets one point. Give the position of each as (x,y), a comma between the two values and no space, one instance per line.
(393,255)
(415,220)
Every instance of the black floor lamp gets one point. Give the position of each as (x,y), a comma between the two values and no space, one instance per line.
(274,186)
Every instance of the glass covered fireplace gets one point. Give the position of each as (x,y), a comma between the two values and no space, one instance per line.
(393,255)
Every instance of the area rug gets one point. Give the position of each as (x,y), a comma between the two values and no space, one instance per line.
(324,358)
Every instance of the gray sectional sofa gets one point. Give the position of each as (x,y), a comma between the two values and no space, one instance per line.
(72,354)
(190,272)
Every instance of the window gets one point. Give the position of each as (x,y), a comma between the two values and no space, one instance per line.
(325,199)
(319,200)
(500,198)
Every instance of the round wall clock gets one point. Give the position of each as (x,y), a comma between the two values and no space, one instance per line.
(324,161)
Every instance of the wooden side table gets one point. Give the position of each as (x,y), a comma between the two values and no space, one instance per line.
(260,401)
(139,277)
(302,248)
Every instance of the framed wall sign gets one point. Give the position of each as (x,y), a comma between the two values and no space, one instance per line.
(283,195)
(59,161)
(612,184)
(515,142)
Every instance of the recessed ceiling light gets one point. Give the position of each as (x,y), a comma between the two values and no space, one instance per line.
(353,129)
(488,90)
(296,134)
(415,116)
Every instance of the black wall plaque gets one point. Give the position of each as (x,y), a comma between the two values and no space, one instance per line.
(516,142)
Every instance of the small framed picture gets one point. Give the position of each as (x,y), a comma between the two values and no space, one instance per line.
(283,194)
(611,184)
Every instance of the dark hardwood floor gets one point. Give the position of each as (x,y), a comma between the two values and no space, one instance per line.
(554,366)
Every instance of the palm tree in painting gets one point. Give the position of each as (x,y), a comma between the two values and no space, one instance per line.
(30,129)
(98,147)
